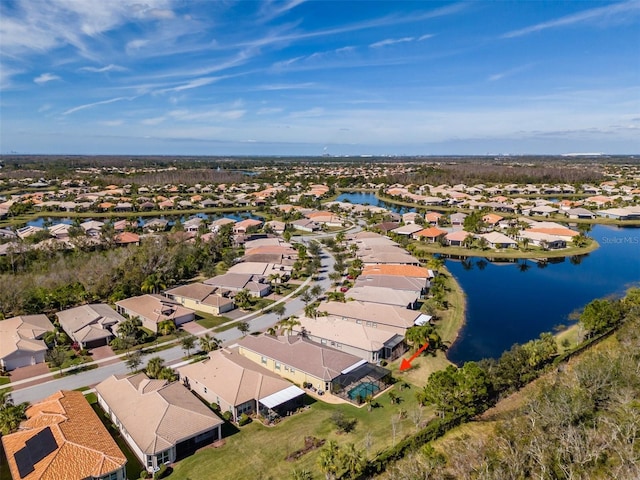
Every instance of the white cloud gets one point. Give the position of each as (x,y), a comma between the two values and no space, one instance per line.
(153,121)
(601,16)
(425,37)
(391,41)
(507,73)
(108,68)
(268,111)
(95,104)
(45,78)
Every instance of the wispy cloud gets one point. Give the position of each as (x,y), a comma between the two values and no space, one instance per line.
(272,9)
(602,16)
(95,104)
(507,73)
(45,78)
(286,86)
(112,123)
(391,41)
(108,68)
(269,111)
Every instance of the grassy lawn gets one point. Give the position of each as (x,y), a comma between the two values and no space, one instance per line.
(262,450)
(207,320)
(449,324)
(4,380)
(570,335)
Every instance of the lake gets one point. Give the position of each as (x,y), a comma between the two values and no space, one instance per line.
(368,198)
(514,302)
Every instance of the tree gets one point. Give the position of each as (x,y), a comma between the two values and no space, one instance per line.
(244,328)
(316,291)
(328,460)
(243,299)
(129,328)
(209,343)
(599,315)
(134,360)
(306,297)
(56,357)
(154,367)
(288,324)
(279,309)
(335,277)
(301,475)
(11,415)
(188,342)
(152,284)
(311,311)
(166,327)
(352,460)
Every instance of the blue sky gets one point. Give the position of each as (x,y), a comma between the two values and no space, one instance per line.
(312,77)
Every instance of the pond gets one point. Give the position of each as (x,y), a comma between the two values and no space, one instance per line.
(515,301)
(369,198)
(511,303)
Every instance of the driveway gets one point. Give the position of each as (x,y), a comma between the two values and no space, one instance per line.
(194,328)
(28,372)
(103,352)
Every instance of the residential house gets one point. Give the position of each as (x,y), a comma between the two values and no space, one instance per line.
(271,271)
(457,238)
(370,344)
(582,213)
(399,270)
(431,234)
(256,285)
(240,386)
(305,225)
(433,218)
(396,282)
(385,296)
(492,219)
(156,225)
(161,422)
(21,341)
(408,230)
(410,217)
(243,226)
(545,240)
(90,325)
(387,317)
(155,309)
(63,438)
(92,228)
(123,239)
(498,240)
(543,210)
(201,297)
(299,359)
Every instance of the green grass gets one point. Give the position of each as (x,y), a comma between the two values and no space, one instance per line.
(5,473)
(133,464)
(224,328)
(208,320)
(4,380)
(263,449)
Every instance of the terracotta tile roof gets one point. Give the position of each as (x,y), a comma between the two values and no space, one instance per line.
(403,270)
(432,232)
(84,448)
(492,218)
(127,237)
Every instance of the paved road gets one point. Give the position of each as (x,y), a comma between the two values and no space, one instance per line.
(172,355)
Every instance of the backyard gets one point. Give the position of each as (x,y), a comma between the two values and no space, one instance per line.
(373,432)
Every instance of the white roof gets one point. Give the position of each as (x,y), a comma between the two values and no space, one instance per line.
(423,319)
(354,366)
(282,396)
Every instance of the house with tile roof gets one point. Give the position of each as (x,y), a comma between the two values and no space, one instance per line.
(155,309)
(63,438)
(160,421)
(368,343)
(21,341)
(238,385)
(90,325)
(202,298)
(257,285)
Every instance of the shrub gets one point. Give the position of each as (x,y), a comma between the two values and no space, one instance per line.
(161,473)
(227,416)
(244,419)
(215,406)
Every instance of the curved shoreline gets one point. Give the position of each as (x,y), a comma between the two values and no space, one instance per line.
(505,254)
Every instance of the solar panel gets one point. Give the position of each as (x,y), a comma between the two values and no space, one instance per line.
(41,445)
(23,461)
(35,449)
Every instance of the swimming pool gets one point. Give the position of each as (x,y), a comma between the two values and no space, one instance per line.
(363,390)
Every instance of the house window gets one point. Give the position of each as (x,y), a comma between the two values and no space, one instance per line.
(323,341)
(359,322)
(277,365)
(286,369)
(368,324)
(263,360)
(162,457)
(110,476)
(374,325)
(339,345)
(292,370)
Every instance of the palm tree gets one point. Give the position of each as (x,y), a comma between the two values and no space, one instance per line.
(167,327)
(243,298)
(311,311)
(188,342)
(152,284)
(352,460)
(209,343)
(335,277)
(328,460)
(154,367)
(316,291)
(288,324)
(525,243)
(11,415)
